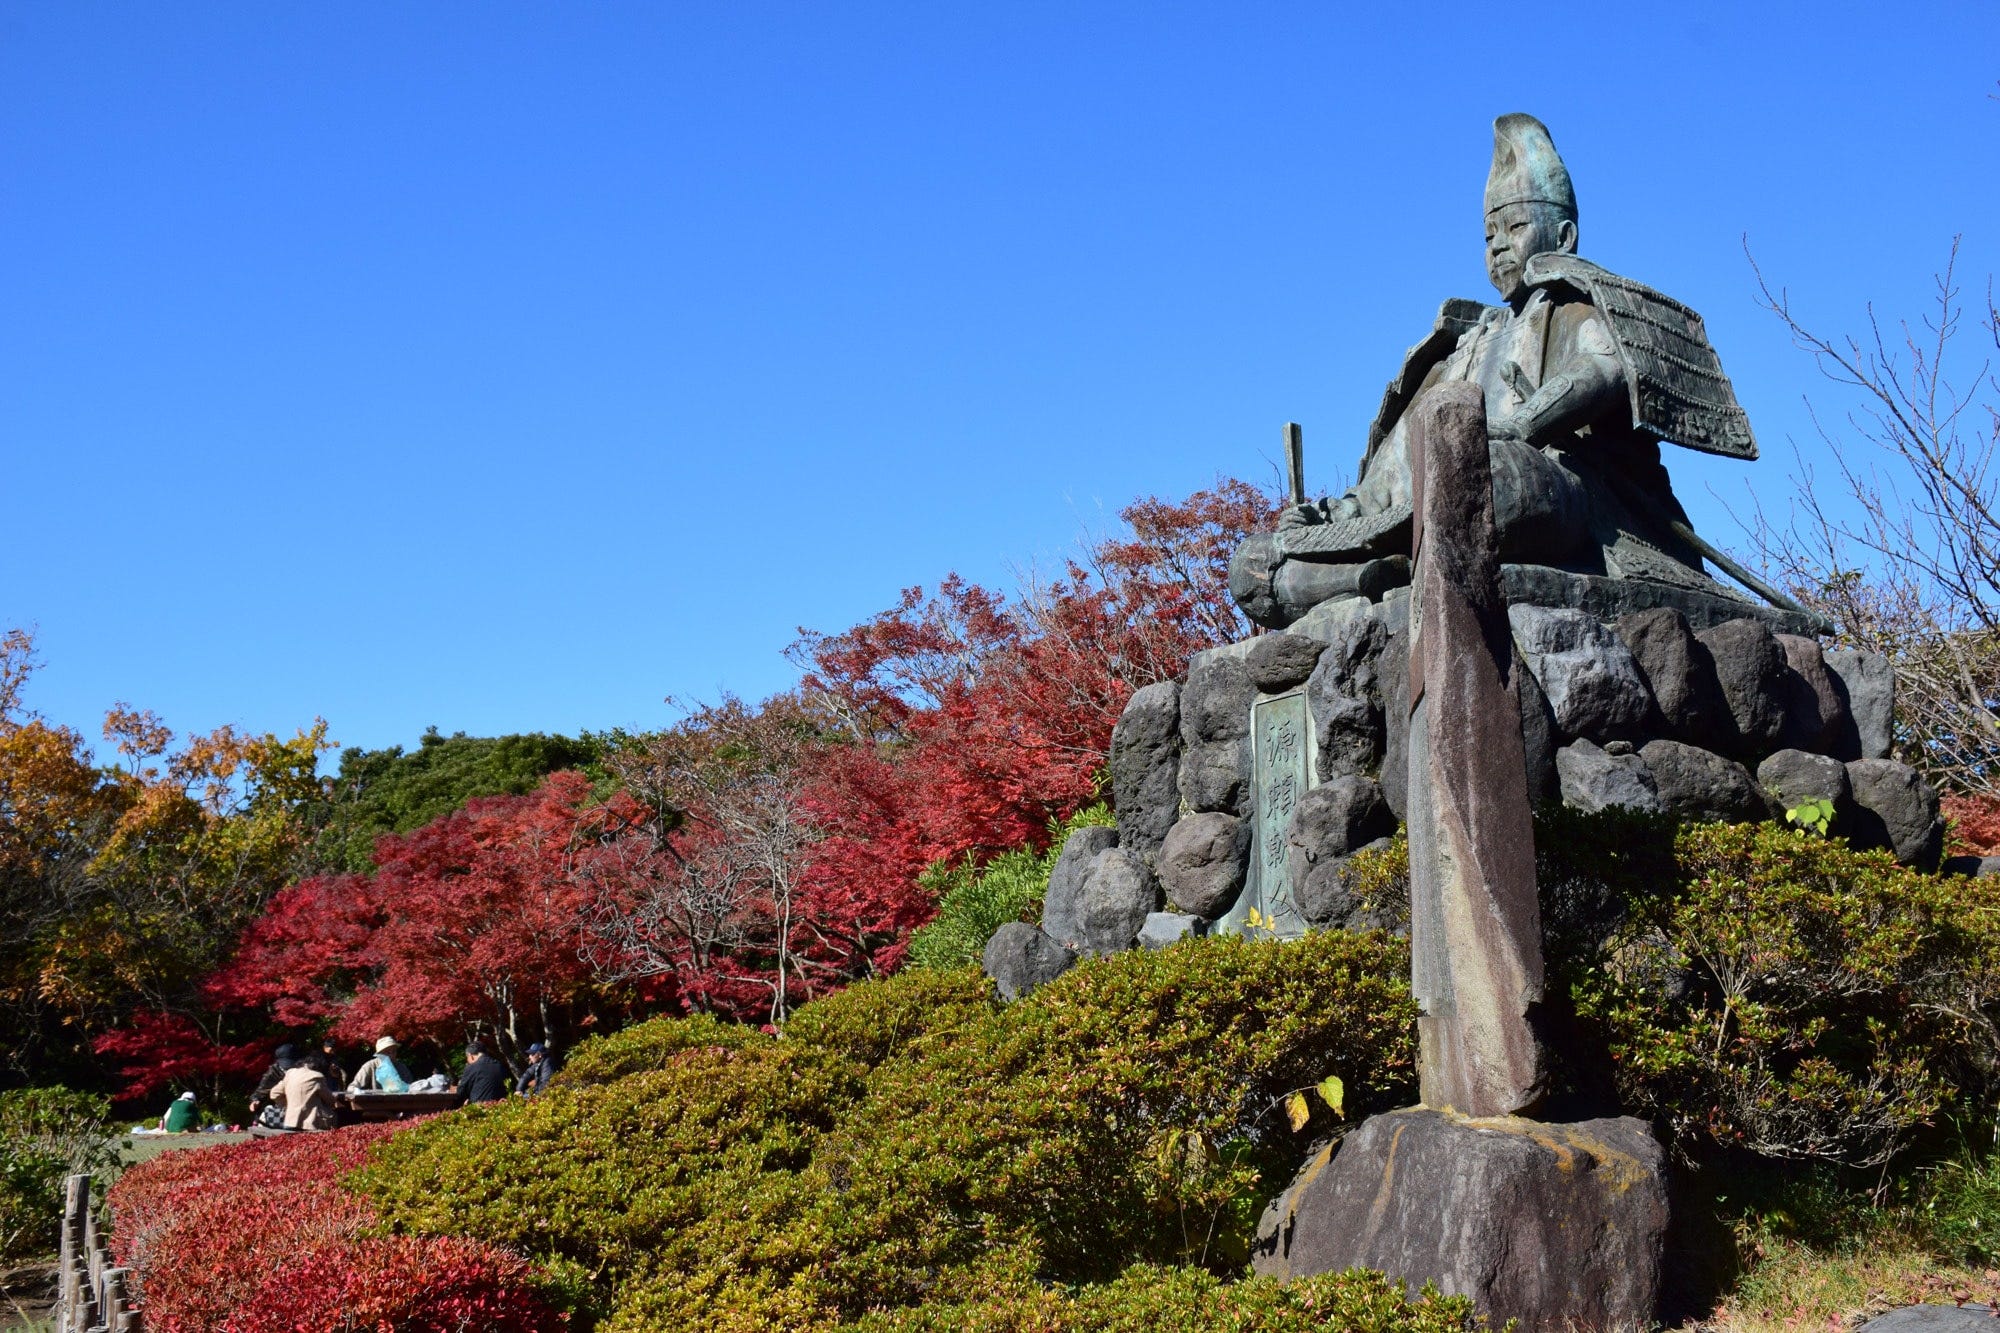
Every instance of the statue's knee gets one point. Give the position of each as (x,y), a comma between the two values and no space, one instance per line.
(1538,505)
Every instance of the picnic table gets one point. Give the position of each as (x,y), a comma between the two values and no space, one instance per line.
(397,1105)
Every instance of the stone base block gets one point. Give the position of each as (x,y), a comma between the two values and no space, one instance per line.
(1561,1227)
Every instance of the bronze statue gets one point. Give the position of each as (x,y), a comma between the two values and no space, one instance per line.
(1584,374)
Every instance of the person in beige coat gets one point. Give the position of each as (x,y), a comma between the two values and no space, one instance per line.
(307,1098)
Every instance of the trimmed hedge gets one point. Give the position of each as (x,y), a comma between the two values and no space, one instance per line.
(910,1132)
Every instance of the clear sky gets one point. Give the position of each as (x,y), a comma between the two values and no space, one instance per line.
(509,367)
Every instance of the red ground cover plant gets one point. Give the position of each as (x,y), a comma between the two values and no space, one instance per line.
(1975,824)
(261,1237)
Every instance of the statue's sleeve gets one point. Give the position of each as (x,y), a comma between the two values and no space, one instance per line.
(1584,384)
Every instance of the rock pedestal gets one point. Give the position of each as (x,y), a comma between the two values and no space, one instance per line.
(1558,1226)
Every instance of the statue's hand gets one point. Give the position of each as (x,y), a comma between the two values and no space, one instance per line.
(1300,516)
(1507,427)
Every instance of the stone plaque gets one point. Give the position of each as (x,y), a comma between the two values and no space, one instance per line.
(1281,772)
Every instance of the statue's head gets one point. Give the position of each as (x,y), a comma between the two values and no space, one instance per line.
(1530,204)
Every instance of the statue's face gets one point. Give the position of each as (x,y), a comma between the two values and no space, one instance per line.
(1516,233)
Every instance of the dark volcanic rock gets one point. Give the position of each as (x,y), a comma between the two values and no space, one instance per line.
(1539,738)
(1203,862)
(1145,767)
(1815,700)
(1164,928)
(1679,673)
(1698,784)
(1118,895)
(1345,696)
(1791,778)
(1277,662)
(1933,1319)
(1871,702)
(1216,776)
(1972,867)
(1215,702)
(1593,685)
(1334,820)
(1594,779)
(1897,809)
(1750,667)
(1327,898)
(1557,1226)
(1062,905)
(1020,957)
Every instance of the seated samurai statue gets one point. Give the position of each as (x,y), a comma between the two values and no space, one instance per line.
(1585,373)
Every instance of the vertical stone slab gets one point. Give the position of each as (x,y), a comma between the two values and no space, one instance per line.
(1475,930)
(1282,770)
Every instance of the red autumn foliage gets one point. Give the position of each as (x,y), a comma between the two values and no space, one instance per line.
(260,1237)
(159,1051)
(472,923)
(1974,824)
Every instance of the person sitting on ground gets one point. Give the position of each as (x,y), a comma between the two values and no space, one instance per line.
(286,1056)
(484,1079)
(180,1115)
(307,1097)
(381,1073)
(541,1067)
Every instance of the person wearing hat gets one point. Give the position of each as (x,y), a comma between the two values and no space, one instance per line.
(540,1068)
(381,1073)
(1584,374)
(484,1079)
(180,1115)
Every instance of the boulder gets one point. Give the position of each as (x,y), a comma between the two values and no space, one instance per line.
(1815,700)
(1594,688)
(1215,702)
(1750,668)
(1203,862)
(1164,928)
(1791,778)
(1933,1319)
(1277,662)
(1539,737)
(1556,1226)
(1019,957)
(1118,894)
(1679,674)
(1972,867)
(1591,778)
(1870,684)
(1344,694)
(1331,822)
(1395,675)
(1327,897)
(1062,904)
(1699,784)
(1145,767)
(1897,809)
(1216,776)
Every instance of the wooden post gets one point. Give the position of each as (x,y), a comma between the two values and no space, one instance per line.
(1295,461)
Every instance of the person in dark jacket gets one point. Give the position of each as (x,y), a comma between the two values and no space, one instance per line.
(285,1057)
(541,1067)
(484,1079)
(327,1063)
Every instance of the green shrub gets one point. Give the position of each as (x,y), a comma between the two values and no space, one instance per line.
(1778,993)
(46,1134)
(1188,1300)
(974,901)
(910,1132)
(1962,1212)
(647,1047)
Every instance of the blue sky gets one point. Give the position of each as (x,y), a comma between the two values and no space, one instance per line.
(510,367)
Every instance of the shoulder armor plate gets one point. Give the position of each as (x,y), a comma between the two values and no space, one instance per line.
(1679,392)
